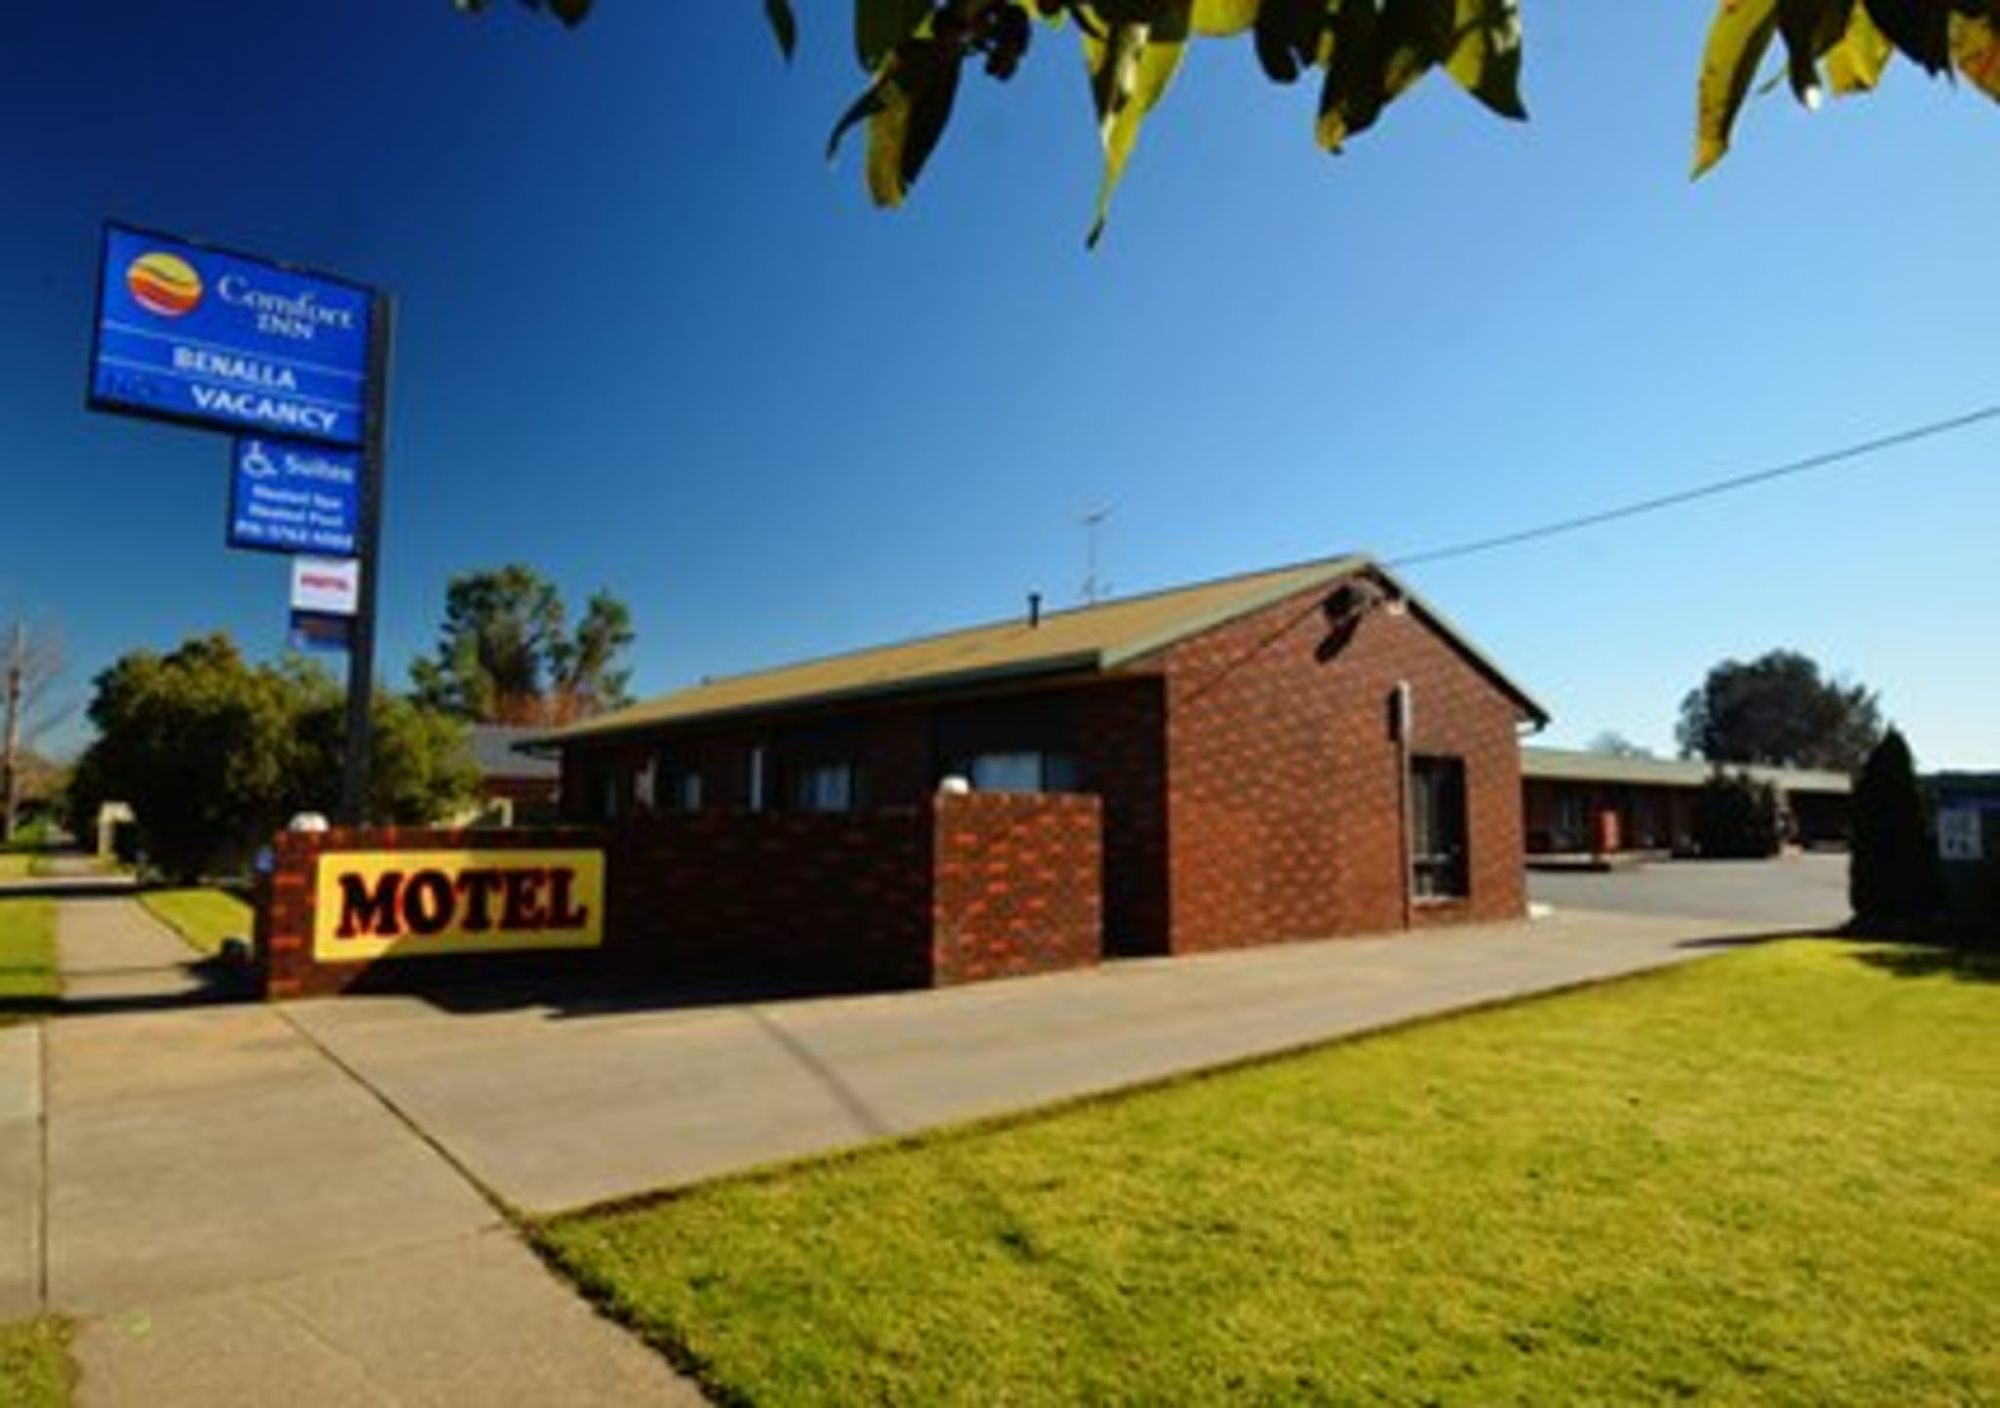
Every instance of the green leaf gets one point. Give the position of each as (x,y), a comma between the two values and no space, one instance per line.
(906,109)
(880,25)
(1130,70)
(1810,28)
(1220,19)
(1376,56)
(1920,28)
(1737,41)
(1485,55)
(1289,35)
(1855,64)
(784,25)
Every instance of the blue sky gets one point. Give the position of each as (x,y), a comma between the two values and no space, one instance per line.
(649,341)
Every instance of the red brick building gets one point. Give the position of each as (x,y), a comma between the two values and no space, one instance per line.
(1299,753)
(1578,803)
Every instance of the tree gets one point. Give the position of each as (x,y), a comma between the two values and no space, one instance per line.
(1737,817)
(1892,874)
(505,655)
(1367,53)
(214,754)
(1778,711)
(1613,744)
(31,666)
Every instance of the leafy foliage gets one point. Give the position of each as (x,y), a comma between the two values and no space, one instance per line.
(213,753)
(505,653)
(1777,710)
(1367,53)
(1738,818)
(1839,44)
(1892,876)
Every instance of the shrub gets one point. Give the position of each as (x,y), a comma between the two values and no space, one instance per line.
(1893,875)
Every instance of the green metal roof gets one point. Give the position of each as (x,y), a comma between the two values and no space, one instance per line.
(1080,641)
(1570,765)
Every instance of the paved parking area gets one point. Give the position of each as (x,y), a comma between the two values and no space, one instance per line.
(1809,891)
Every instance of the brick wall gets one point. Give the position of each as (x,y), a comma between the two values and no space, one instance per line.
(285,903)
(1114,728)
(1017,886)
(780,896)
(956,890)
(1283,777)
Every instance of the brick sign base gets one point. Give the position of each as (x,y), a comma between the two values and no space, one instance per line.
(957,890)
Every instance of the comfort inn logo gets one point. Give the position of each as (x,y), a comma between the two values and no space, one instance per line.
(165,284)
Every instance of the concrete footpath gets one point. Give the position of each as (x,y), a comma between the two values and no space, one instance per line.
(233,1219)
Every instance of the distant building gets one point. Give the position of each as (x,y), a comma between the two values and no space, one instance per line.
(516,788)
(1298,753)
(1605,803)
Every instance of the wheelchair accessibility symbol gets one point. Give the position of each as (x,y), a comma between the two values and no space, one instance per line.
(257,463)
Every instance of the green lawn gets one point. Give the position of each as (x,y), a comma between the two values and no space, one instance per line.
(1771,1178)
(204,917)
(27,956)
(34,1364)
(17,865)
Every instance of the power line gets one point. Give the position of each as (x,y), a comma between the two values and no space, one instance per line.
(1822,460)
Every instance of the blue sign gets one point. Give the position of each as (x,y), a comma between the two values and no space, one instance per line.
(317,631)
(285,496)
(193,334)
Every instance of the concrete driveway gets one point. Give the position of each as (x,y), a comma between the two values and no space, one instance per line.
(556,1106)
(1806,891)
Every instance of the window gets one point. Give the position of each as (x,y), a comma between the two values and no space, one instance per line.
(1023,772)
(686,792)
(674,787)
(825,787)
(1437,826)
(1571,821)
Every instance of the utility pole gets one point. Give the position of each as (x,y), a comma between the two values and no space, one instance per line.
(17,670)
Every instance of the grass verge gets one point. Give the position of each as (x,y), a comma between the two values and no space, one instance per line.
(204,917)
(28,978)
(17,865)
(34,1364)
(1768,1177)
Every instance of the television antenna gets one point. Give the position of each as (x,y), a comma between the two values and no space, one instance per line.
(1094,589)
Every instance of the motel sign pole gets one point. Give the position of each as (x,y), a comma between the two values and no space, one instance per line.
(360,749)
